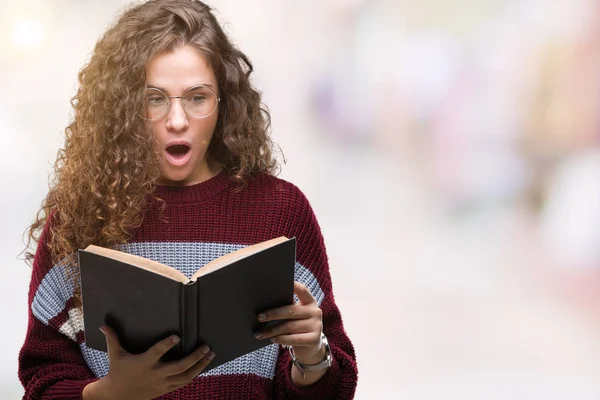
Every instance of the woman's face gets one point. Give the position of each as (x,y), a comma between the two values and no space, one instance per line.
(182,140)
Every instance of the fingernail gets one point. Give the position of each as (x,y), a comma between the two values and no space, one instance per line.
(211,355)
(262,316)
(258,335)
(102,330)
(204,349)
(175,339)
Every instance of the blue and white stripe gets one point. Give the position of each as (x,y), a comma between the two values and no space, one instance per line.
(52,294)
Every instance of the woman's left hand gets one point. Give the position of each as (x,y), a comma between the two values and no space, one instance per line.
(303,327)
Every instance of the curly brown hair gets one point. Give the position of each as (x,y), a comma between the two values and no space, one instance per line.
(109,167)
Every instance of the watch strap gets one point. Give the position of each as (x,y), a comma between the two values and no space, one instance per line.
(326,363)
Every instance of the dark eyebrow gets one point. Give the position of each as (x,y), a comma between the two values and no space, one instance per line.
(187,90)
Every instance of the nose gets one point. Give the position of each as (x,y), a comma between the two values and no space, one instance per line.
(177,120)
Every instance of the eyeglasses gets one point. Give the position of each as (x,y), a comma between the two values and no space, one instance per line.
(198,102)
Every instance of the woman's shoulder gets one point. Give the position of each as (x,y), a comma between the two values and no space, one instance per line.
(275,187)
(280,196)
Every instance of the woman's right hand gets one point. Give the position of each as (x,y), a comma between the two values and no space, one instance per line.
(144,376)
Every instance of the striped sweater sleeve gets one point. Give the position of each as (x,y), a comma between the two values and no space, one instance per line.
(341,379)
(51,365)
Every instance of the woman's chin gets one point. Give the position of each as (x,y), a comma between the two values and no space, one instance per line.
(174,179)
(184,176)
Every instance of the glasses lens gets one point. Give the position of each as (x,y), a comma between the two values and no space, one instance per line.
(200,102)
(157,104)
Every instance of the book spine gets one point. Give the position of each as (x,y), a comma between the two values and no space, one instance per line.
(189,317)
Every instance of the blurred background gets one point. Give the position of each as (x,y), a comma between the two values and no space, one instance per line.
(450,149)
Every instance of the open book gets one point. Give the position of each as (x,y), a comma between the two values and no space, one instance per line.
(146,301)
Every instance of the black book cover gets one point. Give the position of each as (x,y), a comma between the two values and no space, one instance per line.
(218,308)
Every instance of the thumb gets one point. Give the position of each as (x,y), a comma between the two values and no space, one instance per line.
(303,294)
(113,346)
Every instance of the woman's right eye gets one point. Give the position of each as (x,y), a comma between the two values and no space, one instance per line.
(156,100)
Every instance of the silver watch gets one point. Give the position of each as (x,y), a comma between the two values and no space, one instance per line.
(326,363)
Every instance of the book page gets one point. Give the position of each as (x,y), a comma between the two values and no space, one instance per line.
(236,255)
(140,262)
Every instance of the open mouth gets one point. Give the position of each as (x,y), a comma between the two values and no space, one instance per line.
(178,155)
(178,150)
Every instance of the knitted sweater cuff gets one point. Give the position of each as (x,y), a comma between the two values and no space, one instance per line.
(67,390)
(324,388)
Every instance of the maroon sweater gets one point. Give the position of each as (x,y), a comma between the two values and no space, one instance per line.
(203,222)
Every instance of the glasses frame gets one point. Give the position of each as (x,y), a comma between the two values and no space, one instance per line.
(183,102)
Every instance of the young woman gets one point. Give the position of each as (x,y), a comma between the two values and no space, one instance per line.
(168,157)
